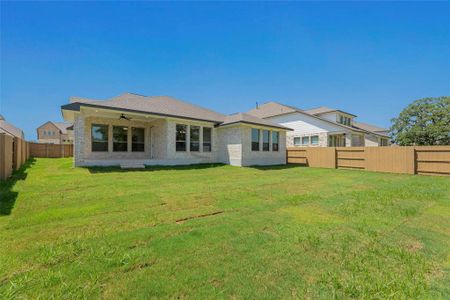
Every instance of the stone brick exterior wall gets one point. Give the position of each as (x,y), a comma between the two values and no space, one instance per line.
(371,140)
(323,138)
(254,158)
(193,156)
(230,145)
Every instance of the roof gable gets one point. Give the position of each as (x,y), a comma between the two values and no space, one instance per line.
(324,109)
(249,119)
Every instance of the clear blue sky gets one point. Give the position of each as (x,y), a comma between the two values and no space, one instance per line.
(371,59)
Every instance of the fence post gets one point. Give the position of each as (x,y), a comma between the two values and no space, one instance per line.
(414,160)
(2,156)
(335,158)
(14,153)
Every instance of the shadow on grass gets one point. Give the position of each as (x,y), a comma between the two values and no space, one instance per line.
(7,195)
(117,169)
(276,167)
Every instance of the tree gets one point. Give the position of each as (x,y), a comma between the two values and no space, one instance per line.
(424,122)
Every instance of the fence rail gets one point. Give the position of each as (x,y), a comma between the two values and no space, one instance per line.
(427,160)
(51,150)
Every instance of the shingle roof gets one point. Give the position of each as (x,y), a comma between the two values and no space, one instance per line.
(272,109)
(324,109)
(161,105)
(249,119)
(319,110)
(10,129)
(370,127)
(166,106)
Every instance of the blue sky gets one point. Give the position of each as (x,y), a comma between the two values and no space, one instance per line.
(371,59)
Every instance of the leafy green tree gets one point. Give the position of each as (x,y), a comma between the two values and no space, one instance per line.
(424,122)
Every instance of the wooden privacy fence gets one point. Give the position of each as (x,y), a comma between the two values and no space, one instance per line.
(427,160)
(14,152)
(51,150)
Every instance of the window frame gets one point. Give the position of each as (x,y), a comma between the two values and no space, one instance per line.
(299,139)
(207,143)
(259,139)
(311,139)
(179,141)
(103,142)
(275,146)
(265,145)
(114,142)
(194,142)
(308,140)
(133,143)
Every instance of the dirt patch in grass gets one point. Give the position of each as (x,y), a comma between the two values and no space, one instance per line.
(414,247)
(138,267)
(181,221)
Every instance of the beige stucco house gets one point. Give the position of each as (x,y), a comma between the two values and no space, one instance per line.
(132,130)
(322,127)
(55,133)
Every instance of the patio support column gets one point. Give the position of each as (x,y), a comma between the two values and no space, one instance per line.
(200,140)
(129,139)
(188,138)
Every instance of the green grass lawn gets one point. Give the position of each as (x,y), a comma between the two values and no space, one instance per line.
(281,232)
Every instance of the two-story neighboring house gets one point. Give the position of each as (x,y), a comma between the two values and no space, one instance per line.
(322,127)
(55,133)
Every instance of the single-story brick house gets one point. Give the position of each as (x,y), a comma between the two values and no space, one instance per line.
(133,130)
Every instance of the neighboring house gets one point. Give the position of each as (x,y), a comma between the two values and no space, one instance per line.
(133,130)
(10,129)
(321,127)
(55,133)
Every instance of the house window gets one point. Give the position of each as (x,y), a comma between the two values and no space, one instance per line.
(180,143)
(99,138)
(207,139)
(297,141)
(336,141)
(266,140)
(195,138)
(137,139)
(344,120)
(120,139)
(275,137)
(383,142)
(305,140)
(255,139)
(315,140)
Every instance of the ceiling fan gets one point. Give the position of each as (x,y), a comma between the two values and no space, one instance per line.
(122,116)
